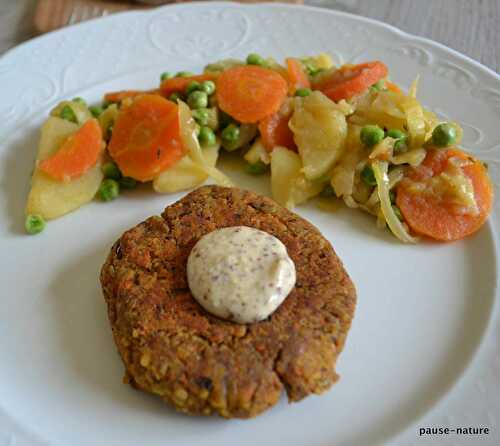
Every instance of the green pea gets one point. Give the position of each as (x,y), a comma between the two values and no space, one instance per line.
(397,211)
(231,133)
(197,99)
(201,116)
(95,110)
(368,176)
(257,168)
(34,224)
(206,136)
(303,92)
(174,97)
(255,59)
(371,135)
(310,68)
(400,137)
(127,183)
(192,86)
(208,87)
(444,135)
(184,74)
(396,134)
(328,191)
(166,75)
(111,170)
(68,114)
(378,86)
(399,146)
(108,190)
(79,100)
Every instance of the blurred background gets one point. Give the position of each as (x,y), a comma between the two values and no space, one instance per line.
(469,26)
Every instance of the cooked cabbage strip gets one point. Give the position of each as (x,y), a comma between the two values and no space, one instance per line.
(414,121)
(190,140)
(395,225)
(413,157)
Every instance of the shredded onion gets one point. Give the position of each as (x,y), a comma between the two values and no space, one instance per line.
(383,150)
(190,141)
(414,121)
(350,202)
(395,176)
(397,228)
(387,102)
(381,108)
(380,220)
(413,157)
(373,200)
(431,121)
(343,174)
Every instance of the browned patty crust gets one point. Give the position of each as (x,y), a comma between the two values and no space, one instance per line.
(204,365)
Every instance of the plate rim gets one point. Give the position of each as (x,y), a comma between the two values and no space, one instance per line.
(495,234)
(274,5)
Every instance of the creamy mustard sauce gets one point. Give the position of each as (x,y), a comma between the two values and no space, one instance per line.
(240,273)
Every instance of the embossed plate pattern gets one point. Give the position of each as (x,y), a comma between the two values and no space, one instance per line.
(423,349)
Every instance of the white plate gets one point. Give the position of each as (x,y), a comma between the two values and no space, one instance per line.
(424,347)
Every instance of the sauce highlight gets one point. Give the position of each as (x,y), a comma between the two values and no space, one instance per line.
(240,273)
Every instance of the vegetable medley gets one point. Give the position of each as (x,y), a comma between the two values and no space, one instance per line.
(340,132)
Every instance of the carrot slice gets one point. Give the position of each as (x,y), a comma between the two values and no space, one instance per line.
(118,96)
(297,77)
(434,216)
(77,155)
(179,84)
(250,93)
(351,80)
(146,137)
(274,131)
(391,86)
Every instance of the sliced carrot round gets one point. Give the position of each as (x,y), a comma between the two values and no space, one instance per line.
(250,93)
(351,80)
(77,155)
(118,96)
(146,137)
(274,131)
(179,84)
(435,216)
(297,77)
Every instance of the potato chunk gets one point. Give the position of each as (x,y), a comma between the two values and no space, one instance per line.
(257,153)
(319,127)
(289,186)
(51,198)
(185,174)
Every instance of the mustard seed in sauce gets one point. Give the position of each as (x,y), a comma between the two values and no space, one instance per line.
(240,273)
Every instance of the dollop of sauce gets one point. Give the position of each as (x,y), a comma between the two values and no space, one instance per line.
(240,273)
